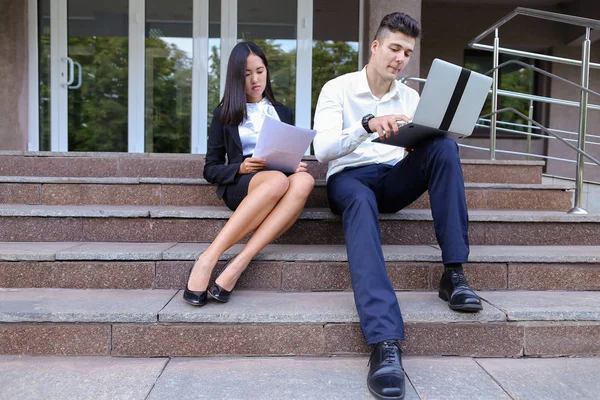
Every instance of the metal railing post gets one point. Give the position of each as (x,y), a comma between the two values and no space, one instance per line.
(585,80)
(494,97)
(529,127)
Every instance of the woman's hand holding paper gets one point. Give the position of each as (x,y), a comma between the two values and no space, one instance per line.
(252,164)
(301,167)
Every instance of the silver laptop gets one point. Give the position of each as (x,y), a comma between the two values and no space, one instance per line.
(450,105)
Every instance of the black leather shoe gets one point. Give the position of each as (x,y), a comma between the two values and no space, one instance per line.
(456,291)
(386,375)
(217,292)
(194,298)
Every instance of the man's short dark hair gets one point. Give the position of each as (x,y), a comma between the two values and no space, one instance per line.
(398,22)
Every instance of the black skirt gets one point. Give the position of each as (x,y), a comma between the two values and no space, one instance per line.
(237,191)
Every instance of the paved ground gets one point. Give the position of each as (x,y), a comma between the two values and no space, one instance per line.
(25,377)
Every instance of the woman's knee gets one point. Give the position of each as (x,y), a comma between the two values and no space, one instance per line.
(273,183)
(302,183)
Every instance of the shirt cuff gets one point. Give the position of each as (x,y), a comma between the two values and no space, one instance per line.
(358,131)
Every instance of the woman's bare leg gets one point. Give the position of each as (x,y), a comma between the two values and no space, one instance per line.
(265,190)
(279,220)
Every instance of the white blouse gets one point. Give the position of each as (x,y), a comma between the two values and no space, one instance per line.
(250,127)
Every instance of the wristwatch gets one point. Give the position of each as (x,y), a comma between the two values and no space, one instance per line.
(365,122)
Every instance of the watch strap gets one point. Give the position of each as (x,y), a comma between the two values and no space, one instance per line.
(365,122)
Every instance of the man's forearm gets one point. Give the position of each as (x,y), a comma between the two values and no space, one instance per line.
(332,140)
(331,143)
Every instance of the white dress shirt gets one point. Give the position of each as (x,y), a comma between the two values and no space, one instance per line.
(341,139)
(251,126)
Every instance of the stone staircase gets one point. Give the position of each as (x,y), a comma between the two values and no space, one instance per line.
(95,248)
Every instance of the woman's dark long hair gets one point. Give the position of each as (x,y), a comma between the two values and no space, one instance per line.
(234,97)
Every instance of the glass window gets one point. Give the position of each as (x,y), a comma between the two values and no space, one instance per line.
(44,73)
(214,56)
(98,45)
(335,42)
(271,24)
(514,78)
(168,67)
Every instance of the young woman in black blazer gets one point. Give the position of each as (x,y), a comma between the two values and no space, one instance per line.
(265,201)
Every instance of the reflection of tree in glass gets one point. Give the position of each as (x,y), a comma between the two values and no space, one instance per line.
(520,81)
(98,117)
(214,77)
(98,109)
(512,78)
(168,98)
(44,96)
(330,60)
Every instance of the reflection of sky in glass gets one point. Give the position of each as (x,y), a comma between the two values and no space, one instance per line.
(186,44)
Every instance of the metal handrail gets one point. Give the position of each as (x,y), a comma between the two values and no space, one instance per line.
(547,15)
(535,127)
(585,64)
(536,56)
(523,96)
(543,72)
(519,153)
(529,134)
(544,129)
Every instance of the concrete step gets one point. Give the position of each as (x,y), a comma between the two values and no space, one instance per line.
(74,164)
(290,267)
(197,192)
(157,323)
(303,378)
(99,223)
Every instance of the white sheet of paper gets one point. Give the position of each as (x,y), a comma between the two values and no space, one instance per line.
(282,145)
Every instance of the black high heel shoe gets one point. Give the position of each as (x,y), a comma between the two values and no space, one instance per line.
(195,298)
(217,292)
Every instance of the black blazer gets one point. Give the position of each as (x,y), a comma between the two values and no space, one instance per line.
(225,141)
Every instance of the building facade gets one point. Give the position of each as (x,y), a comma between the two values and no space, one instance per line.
(144,75)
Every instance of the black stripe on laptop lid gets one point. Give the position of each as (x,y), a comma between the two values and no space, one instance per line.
(459,89)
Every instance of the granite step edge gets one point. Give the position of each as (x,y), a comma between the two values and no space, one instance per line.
(258,307)
(171,251)
(220,212)
(319,183)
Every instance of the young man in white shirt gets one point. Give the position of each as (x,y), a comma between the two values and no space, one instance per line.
(366,178)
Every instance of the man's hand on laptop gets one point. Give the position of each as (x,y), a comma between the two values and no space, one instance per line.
(387,124)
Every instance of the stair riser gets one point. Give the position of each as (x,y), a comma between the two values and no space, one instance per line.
(506,339)
(502,173)
(203,195)
(178,166)
(304,231)
(292,276)
(98,166)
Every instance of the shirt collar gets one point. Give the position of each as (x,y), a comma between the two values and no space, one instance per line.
(362,87)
